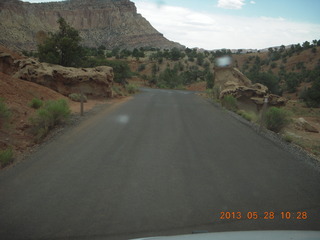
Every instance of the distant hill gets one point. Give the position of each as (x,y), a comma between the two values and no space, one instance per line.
(295,68)
(290,61)
(100,22)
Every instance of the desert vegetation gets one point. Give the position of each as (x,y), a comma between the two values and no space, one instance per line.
(4,112)
(285,69)
(248,115)
(6,155)
(230,103)
(36,103)
(64,48)
(77,97)
(132,88)
(51,114)
(276,119)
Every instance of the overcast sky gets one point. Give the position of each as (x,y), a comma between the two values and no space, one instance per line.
(234,24)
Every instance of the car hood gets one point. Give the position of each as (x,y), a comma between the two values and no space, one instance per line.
(245,235)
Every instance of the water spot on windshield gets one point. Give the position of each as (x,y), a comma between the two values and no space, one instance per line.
(123,119)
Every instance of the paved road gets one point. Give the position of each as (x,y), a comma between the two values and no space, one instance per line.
(165,162)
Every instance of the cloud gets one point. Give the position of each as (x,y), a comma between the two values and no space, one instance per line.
(252,2)
(214,31)
(231,4)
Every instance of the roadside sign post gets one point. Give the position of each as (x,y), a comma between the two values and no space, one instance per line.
(263,111)
(81,102)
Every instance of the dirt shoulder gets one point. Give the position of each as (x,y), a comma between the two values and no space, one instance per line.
(310,141)
(21,140)
(15,132)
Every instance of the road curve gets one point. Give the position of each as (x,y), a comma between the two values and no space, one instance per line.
(166,162)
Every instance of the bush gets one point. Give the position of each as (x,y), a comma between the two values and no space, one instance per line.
(249,116)
(287,138)
(76,97)
(121,69)
(311,96)
(141,67)
(170,78)
(266,78)
(230,103)
(162,85)
(50,115)
(216,92)
(276,119)
(209,77)
(209,92)
(36,103)
(292,82)
(117,90)
(4,111)
(131,88)
(6,157)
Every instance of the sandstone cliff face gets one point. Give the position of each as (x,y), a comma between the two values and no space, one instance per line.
(112,23)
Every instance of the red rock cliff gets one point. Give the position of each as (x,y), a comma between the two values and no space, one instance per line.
(112,23)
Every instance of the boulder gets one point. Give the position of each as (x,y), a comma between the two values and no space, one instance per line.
(276,100)
(302,124)
(7,58)
(230,81)
(6,63)
(96,82)
(229,78)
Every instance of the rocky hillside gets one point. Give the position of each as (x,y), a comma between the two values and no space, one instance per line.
(288,60)
(100,22)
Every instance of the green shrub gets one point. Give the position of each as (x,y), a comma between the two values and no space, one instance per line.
(249,116)
(287,138)
(230,102)
(311,96)
(131,88)
(117,90)
(141,67)
(4,111)
(36,103)
(276,119)
(76,97)
(209,92)
(162,85)
(209,77)
(6,157)
(50,115)
(216,92)
(121,69)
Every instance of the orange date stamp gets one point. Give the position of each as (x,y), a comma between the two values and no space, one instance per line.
(263,215)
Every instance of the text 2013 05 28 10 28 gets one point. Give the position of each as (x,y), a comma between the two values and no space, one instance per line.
(268,215)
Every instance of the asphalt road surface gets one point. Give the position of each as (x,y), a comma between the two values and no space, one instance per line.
(164,163)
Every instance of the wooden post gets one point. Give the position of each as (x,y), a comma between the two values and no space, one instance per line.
(263,112)
(81,102)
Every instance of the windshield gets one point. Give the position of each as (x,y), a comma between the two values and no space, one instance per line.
(123,119)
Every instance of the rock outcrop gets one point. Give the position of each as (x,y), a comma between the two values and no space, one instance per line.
(230,81)
(96,82)
(302,124)
(100,22)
